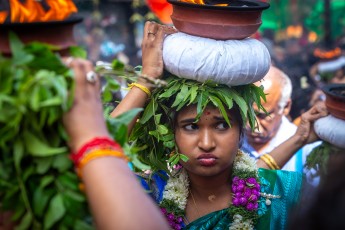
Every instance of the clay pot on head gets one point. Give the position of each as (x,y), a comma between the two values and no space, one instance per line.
(56,33)
(335,99)
(240,19)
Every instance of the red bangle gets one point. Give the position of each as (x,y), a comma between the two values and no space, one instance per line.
(99,142)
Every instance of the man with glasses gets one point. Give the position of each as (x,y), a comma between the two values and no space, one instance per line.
(274,127)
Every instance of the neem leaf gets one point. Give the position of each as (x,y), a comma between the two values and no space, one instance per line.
(19,56)
(180,96)
(55,212)
(148,112)
(25,223)
(220,106)
(118,65)
(162,129)
(194,91)
(77,51)
(18,153)
(38,148)
(40,200)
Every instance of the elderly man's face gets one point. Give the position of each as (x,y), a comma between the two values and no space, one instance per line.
(268,124)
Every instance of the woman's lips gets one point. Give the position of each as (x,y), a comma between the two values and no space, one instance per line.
(207,160)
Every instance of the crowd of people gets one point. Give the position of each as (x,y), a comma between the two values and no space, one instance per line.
(234,170)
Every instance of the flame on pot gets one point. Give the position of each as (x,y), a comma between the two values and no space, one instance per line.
(33,11)
(3,16)
(202,2)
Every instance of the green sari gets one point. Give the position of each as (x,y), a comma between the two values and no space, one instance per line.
(286,184)
(275,216)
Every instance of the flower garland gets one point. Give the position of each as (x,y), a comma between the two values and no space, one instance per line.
(245,189)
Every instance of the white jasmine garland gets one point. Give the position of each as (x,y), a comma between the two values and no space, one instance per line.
(177,189)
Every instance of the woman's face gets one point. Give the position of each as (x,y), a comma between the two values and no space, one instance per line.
(210,143)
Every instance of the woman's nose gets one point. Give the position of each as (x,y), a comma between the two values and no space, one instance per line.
(206,140)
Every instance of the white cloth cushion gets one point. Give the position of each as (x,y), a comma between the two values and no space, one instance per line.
(230,62)
(332,130)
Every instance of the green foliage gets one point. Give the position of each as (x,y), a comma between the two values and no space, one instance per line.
(171,207)
(247,215)
(158,117)
(319,156)
(37,179)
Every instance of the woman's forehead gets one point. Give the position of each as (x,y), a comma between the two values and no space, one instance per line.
(191,111)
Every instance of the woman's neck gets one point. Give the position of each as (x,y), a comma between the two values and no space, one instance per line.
(206,186)
(208,194)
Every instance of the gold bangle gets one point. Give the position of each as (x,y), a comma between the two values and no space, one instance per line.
(267,162)
(143,88)
(268,159)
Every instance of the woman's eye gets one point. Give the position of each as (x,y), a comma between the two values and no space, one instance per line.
(222,125)
(190,127)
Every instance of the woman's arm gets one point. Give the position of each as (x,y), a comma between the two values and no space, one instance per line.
(152,66)
(304,135)
(115,196)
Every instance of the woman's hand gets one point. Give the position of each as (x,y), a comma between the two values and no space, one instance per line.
(152,48)
(84,120)
(305,131)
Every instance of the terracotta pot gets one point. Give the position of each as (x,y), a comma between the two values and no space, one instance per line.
(237,21)
(56,33)
(335,100)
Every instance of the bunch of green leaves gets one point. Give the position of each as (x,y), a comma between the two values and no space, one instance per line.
(158,147)
(37,179)
(37,182)
(319,157)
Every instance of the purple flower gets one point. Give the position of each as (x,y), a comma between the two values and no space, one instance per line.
(171,217)
(253,198)
(240,188)
(164,211)
(238,194)
(236,202)
(179,219)
(250,207)
(247,194)
(235,179)
(257,186)
(251,180)
(256,206)
(177,227)
(243,201)
(241,181)
(234,188)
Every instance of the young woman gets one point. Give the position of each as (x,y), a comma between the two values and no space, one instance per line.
(218,187)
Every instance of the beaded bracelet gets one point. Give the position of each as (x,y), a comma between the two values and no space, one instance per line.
(268,159)
(143,88)
(97,153)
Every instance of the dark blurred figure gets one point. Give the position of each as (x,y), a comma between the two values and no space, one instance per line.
(326,211)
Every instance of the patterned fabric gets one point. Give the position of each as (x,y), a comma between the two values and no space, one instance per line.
(275,216)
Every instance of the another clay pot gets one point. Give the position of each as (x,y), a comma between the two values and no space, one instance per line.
(239,20)
(56,33)
(335,100)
